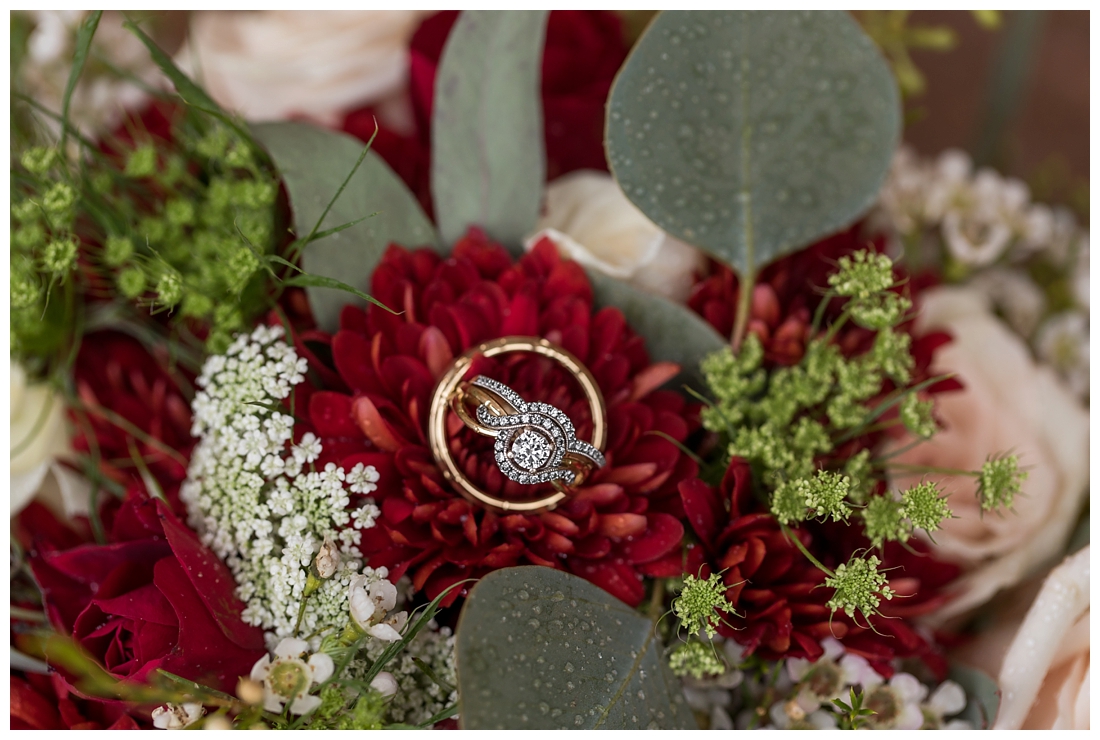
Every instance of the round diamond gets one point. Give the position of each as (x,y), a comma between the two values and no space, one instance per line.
(531,450)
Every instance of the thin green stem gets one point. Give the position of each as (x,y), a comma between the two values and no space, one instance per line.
(809,556)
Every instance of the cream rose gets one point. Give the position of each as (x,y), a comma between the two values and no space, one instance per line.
(591,221)
(39,437)
(273,64)
(1041,657)
(1009,405)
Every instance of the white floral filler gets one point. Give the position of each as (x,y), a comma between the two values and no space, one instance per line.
(258,501)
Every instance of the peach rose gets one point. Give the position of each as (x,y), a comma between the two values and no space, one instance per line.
(273,64)
(1009,405)
(591,221)
(1041,658)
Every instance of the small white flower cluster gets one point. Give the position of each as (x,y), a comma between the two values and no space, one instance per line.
(980,216)
(990,226)
(256,498)
(807,689)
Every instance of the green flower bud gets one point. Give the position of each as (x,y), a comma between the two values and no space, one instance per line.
(102,183)
(25,290)
(59,199)
(25,211)
(883,521)
(916,415)
(154,229)
(925,507)
(29,237)
(700,602)
(696,659)
(38,160)
(131,282)
(169,287)
(862,275)
(214,144)
(860,586)
(117,250)
(196,305)
(60,254)
(999,482)
(142,162)
(180,212)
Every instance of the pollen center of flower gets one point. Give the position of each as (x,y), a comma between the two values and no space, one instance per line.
(531,450)
(288,678)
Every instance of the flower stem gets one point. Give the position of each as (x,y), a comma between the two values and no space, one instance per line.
(744,308)
(798,543)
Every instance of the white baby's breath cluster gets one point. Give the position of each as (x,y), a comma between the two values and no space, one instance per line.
(991,235)
(257,498)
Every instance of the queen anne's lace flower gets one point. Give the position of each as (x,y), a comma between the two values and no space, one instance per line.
(256,497)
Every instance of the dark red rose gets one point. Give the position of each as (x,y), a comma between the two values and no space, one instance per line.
(41,702)
(132,406)
(152,597)
(584,50)
(780,595)
(384,368)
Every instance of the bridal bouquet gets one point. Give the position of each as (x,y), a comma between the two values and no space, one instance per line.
(721,431)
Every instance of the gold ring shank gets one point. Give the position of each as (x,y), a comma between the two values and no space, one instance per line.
(452,393)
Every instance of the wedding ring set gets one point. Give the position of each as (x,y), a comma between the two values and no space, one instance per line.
(534,443)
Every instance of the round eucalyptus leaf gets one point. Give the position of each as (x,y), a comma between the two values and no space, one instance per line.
(538,648)
(752,133)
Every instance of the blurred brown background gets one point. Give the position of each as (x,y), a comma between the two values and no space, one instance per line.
(1016,98)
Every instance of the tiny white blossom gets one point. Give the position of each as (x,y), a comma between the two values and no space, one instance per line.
(176,716)
(362,478)
(289,678)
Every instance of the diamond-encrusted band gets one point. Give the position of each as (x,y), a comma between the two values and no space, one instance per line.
(535,443)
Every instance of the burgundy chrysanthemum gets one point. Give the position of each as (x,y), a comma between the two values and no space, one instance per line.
(382,373)
(780,595)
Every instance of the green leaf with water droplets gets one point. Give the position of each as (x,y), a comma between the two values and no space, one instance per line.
(672,331)
(541,649)
(753,133)
(314,163)
(488,165)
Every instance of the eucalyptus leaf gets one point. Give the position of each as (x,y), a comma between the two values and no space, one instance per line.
(752,133)
(983,695)
(672,331)
(541,649)
(488,165)
(314,163)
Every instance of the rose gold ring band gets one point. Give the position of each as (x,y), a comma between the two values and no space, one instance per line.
(494,410)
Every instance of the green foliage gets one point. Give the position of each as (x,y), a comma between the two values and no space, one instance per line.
(341,238)
(700,603)
(751,133)
(672,331)
(488,164)
(542,649)
(860,586)
(884,521)
(854,715)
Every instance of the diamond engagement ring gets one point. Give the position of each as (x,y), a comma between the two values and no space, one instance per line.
(534,442)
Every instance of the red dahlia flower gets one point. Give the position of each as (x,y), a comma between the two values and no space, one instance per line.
(384,368)
(779,594)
